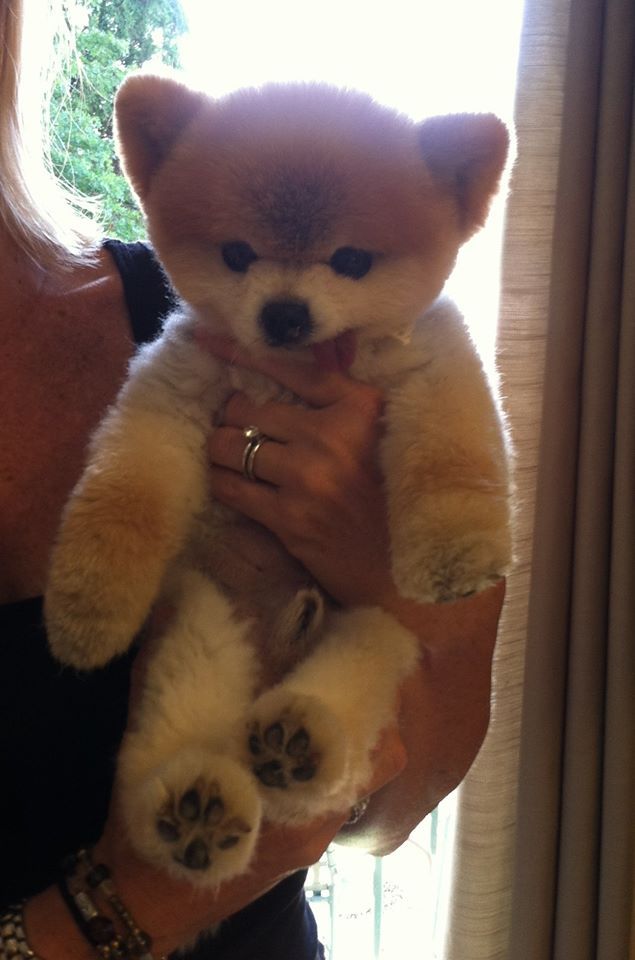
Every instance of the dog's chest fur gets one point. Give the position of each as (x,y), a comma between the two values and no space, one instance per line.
(264,583)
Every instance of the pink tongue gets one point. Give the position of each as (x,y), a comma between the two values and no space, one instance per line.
(336,354)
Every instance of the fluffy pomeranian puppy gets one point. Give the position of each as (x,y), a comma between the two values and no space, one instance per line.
(309,220)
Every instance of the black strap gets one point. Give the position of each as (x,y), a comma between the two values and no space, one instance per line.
(149,296)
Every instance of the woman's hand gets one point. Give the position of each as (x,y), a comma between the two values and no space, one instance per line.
(320,490)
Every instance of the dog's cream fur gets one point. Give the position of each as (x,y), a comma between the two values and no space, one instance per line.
(297,173)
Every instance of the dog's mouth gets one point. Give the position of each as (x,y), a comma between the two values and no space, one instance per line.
(337,353)
(288,323)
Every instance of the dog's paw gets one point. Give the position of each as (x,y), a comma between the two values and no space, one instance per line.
(197,818)
(451,571)
(298,752)
(198,828)
(79,635)
(91,610)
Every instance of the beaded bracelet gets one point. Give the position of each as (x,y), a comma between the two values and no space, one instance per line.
(78,874)
(13,942)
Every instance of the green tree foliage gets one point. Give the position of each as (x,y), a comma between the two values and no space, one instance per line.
(115,37)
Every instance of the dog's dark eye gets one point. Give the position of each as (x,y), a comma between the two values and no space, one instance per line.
(238,256)
(352,263)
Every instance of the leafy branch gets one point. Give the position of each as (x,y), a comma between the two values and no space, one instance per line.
(115,37)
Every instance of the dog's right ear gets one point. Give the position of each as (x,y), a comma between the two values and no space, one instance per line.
(466,153)
(150,114)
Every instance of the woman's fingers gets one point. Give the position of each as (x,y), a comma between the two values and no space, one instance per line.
(389,759)
(260,501)
(307,380)
(280,421)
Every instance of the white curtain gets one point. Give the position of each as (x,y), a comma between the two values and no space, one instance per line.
(544,864)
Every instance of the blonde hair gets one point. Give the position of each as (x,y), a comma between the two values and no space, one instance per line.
(44,217)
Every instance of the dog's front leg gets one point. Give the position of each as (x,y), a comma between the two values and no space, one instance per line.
(127,518)
(445,461)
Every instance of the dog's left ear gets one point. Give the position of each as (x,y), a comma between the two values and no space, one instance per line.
(466,153)
(151,112)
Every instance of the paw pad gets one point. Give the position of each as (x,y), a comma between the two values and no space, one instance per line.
(282,753)
(196,825)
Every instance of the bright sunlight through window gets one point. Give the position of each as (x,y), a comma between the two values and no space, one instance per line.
(422,58)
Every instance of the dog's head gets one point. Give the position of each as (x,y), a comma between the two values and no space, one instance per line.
(292,214)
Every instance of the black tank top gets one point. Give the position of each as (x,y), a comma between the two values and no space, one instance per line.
(60,732)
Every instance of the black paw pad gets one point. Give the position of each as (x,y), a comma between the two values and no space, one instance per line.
(196,855)
(304,773)
(299,743)
(227,842)
(271,774)
(190,805)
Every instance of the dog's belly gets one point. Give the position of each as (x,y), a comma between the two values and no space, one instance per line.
(265,585)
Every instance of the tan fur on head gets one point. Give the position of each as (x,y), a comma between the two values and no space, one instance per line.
(297,172)
(267,133)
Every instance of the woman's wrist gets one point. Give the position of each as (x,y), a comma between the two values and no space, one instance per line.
(160,905)
(50,929)
(52,932)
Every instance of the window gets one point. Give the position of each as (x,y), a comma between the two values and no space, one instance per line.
(381,909)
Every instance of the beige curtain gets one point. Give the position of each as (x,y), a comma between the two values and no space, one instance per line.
(544,868)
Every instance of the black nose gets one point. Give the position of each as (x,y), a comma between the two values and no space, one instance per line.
(285,322)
